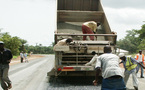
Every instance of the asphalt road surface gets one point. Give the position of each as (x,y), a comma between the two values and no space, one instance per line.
(33,76)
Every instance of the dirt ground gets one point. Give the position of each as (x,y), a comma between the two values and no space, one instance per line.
(17,60)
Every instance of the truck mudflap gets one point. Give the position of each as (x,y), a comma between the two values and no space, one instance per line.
(52,72)
(76,68)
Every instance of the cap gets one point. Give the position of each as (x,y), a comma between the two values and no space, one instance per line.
(121,55)
(1,42)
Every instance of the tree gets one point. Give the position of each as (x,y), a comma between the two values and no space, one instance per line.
(130,42)
(141,37)
(141,32)
(22,47)
(39,49)
(12,43)
(16,45)
(142,45)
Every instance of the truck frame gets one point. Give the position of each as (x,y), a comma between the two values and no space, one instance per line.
(71,14)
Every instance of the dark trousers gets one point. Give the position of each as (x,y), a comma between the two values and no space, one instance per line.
(21,60)
(113,84)
(87,30)
(4,79)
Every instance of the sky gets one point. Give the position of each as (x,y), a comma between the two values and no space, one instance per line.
(124,15)
(35,20)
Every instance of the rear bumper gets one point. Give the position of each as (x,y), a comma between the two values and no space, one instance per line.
(73,71)
(77,68)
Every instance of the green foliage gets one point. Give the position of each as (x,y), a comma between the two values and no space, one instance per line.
(16,45)
(141,32)
(133,41)
(141,37)
(11,43)
(142,45)
(39,49)
(130,42)
(15,57)
(22,47)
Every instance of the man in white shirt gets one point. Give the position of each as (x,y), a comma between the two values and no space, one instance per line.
(112,74)
(140,58)
(93,60)
(22,56)
(63,42)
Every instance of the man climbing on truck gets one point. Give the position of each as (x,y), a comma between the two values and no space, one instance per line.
(93,61)
(90,27)
(63,42)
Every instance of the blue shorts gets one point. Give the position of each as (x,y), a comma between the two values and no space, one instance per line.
(113,84)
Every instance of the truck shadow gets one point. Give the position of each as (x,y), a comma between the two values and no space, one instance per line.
(72,81)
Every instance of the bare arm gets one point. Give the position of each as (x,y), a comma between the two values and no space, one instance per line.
(120,62)
(98,71)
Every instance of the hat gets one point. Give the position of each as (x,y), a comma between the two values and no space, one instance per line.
(1,42)
(121,55)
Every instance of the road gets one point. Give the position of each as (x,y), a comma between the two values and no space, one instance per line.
(141,82)
(33,76)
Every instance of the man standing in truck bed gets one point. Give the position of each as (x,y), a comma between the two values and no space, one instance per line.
(89,27)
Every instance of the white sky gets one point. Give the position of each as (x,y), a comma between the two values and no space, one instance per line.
(34,20)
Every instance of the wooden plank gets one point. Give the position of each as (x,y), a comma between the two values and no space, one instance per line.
(61,48)
(87,5)
(79,16)
(61,4)
(64,34)
(69,4)
(81,5)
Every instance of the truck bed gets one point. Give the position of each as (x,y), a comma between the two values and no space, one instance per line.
(71,14)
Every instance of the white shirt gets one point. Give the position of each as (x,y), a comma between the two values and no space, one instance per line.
(21,55)
(92,61)
(139,58)
(25,54)
(109,64)
(60,43)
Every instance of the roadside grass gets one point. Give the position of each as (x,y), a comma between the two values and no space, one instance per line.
(133,55)
(14,57)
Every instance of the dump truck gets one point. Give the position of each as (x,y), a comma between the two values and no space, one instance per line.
(70,60)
